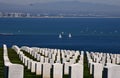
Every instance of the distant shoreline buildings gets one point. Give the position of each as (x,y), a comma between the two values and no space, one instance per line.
(46,15)
(23,15)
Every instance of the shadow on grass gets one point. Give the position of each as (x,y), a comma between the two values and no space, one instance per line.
(1,64)
(86,69)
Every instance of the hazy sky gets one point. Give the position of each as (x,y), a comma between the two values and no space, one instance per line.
(111,2)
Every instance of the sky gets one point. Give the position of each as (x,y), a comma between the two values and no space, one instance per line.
(108,2)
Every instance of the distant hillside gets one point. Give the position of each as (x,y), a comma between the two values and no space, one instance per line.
(63,7)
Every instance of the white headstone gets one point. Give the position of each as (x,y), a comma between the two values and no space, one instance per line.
(111,71)
(42,59)
(91,68)
(25,62)
(72,61)
(58,61)
(50,55)
(46,70)
(64,60)
(33,66)
(46,53)
(114,60)
(46,60)
(15,71)
(53,56)
(118,60)
(97,70)
(57,70)
(108,60)
(51,61)
(29,63)
(38,68)
(76,71)
(38,57)
(66,68)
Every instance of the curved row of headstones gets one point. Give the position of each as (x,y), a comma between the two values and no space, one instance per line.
(11,70)
(54,55)
(52,62)
(104,65)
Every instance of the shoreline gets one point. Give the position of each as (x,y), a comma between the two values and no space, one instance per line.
(58,17)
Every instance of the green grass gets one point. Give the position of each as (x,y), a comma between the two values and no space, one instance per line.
(86,69)
(1,64)
(66,76)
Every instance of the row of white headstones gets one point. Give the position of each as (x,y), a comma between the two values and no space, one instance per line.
(104,65)
(11,70)
(49,62)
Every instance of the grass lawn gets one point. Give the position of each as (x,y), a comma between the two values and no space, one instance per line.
(1,64)
(86,69)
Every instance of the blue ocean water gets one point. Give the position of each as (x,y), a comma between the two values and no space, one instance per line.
(92,34)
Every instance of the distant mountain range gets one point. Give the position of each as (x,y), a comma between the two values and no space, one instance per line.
(63,7)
